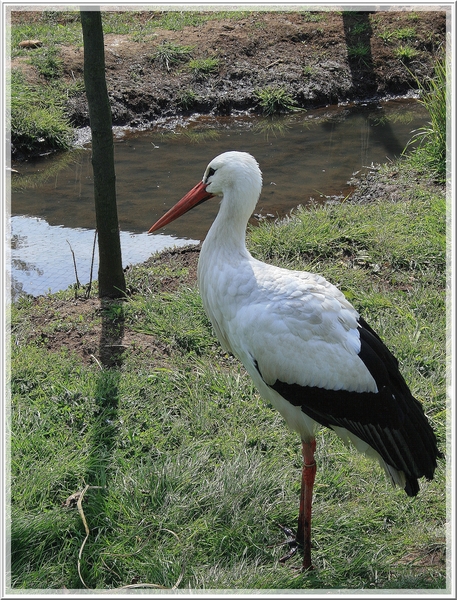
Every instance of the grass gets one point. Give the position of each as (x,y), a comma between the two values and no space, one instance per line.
(405,52)
(187,98)
(308,71)
(359,28)
(48,63)
(432,138)
(359,51)
(401,38)
(313,17)
(38,116)
(401,34)
(53,34)
(203,67)
(64,27)
(169,54)
(273,100)
(189,471)
(404,33)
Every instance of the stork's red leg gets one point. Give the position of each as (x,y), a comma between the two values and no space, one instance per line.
(306,499)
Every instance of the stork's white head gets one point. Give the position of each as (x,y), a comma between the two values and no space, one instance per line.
(234,171)
(235,176)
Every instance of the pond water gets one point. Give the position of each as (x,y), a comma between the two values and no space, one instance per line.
(304,156)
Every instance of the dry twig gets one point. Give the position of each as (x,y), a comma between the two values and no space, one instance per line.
(79,496)
(86,527)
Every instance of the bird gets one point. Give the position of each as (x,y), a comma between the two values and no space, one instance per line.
(309,352)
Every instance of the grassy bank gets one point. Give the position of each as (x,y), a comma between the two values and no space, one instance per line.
(40,119)
(189,472)
(170,61)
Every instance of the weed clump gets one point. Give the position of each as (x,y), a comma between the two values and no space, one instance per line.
(203,67)
(169,55)
(405,52)
(273,100)
(186,99)
(432,139)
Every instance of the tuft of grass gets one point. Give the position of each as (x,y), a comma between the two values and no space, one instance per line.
(169,54)
(432,138)
(202,67)
(308,71)
(405,52)
(386,36)
(187,98)
(359,28)
(48,63)
(359,51)
(404,33)
(313,16)
(413,16)
(274,100)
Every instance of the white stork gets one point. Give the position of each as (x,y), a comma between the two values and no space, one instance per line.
(308,351)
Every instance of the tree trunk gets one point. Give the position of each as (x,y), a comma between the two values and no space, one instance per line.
(111,280)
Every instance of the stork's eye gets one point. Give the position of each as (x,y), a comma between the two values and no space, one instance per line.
(211,172)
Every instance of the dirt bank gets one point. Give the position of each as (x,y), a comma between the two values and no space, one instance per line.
(317,57)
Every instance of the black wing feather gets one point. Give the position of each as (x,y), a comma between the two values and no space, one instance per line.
(391,421)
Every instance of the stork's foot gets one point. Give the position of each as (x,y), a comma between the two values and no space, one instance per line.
(291,541)
(294,546)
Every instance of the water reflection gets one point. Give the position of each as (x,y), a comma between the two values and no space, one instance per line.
(308,155)
(42,259)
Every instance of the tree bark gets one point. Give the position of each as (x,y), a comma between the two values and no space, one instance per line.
(111,280)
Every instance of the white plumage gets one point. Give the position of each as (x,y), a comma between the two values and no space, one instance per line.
(307,349)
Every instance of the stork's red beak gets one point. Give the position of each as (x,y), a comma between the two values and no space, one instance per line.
(197,195)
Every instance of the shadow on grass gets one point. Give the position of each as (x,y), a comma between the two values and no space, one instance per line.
(99,465)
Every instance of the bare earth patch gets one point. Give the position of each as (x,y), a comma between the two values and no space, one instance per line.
(85,327)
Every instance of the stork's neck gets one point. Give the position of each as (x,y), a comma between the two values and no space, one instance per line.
(224,260)
(227,236)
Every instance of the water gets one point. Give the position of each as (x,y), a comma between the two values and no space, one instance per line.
(42,254)
(309,155)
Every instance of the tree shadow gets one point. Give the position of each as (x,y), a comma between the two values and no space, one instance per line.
(99,471)
(358,34)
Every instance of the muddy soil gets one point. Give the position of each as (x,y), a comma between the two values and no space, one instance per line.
(319,58)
